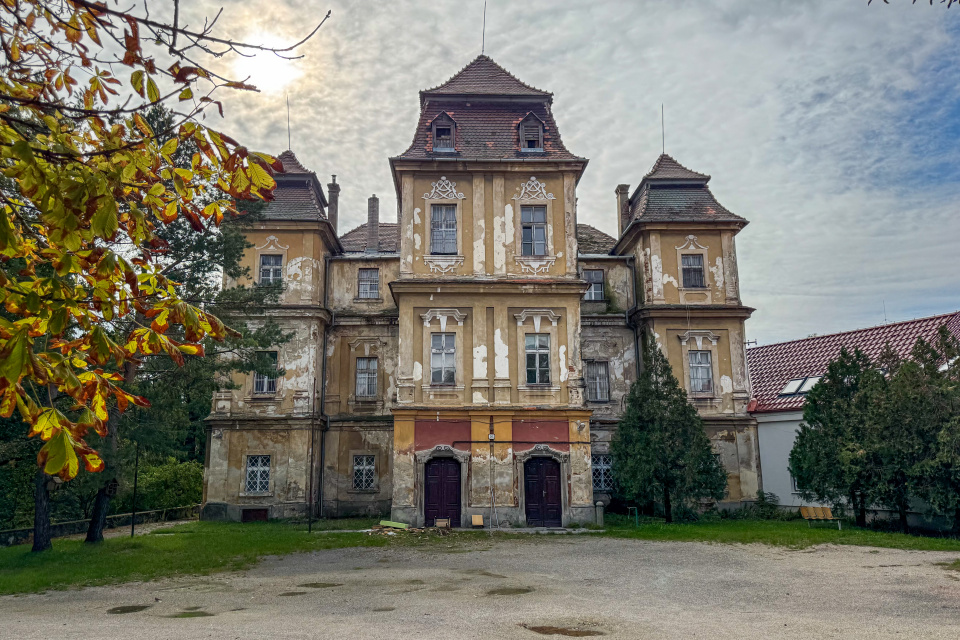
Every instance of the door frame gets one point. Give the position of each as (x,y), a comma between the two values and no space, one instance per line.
(543,451)
(422,458)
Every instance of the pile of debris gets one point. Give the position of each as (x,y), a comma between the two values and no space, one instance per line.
(388,528)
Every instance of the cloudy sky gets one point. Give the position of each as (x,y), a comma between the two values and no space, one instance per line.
(832,126)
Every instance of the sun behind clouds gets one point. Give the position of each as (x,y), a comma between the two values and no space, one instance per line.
(267,71)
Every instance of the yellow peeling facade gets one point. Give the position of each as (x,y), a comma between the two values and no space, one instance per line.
(473,358)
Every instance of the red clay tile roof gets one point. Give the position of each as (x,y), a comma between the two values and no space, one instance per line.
(672,193)
(772,366)
(299,195)
(355,240)
(592,240)
(483,76)
(487,131)
(666,168)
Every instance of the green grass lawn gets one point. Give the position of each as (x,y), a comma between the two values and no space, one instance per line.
(201,548)
(795,534)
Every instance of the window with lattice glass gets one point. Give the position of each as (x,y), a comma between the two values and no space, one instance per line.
(266,383)
(366,377)
(258,474)
(692,265)
(598,381)
(271,269)
(537,347)
(595,278)
(602,464)
(443,353)
(701,372)
(364,472)
(369,284)
(533,230)
(443,229)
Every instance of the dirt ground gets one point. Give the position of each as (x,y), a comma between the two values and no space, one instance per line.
(568,586)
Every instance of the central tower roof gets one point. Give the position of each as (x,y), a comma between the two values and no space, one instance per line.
(484,77)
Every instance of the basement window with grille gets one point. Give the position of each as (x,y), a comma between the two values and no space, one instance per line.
(602,464)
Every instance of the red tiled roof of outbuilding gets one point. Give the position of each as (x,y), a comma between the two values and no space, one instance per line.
(772,366)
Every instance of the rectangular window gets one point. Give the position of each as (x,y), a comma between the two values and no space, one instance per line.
(258,474)
(369,284)
(693,271)
(443,138)
(598,382)
(443,352)
(364,473)
(595,278)
(533,221)
(532,139)
(537,346)
(271,269)
(366,377)
(443,229)
(701,372)
(602,471)
(266,383)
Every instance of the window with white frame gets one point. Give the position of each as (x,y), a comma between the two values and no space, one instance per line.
(266,383)
(533,230)
(692,264)
(443,229)
(366,377)
(598,381)
(364,472)
(443,353)
(271,269)
(258,474)
(368,284)
(602,464)
(595,278)
(537,347)
(701,371)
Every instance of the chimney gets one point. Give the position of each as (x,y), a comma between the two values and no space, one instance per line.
(623,207)
(333,204)
(373,224)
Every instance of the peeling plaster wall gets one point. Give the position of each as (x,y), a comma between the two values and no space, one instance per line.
(343,295)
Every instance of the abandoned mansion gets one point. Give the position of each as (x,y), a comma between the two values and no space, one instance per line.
(473,358)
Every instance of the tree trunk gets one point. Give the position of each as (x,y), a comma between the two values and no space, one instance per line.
(956,521)
(98,520)
(667,508)
(41,512)
(860,507)
(902,510)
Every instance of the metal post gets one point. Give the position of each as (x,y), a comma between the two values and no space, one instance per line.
(136,469)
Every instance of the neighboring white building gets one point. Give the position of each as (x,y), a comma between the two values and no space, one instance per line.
(781,375)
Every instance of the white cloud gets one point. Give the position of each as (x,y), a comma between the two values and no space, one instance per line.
(804,113)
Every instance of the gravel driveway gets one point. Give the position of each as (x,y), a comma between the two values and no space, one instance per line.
(576,586)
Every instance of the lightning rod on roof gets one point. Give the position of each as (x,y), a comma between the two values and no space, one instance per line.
(289,147)
(483,36)
(663,132)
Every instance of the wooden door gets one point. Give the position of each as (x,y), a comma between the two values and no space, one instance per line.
(441,491)
(542,489)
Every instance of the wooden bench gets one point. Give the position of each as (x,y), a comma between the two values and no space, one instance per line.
(819,514)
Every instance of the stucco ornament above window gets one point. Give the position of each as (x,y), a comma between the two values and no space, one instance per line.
(533,189)
(443,189)
(691,243)
(443,315)
(272,243)
(698,337)
(536,315)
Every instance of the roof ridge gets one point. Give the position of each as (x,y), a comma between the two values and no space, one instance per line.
(479,59)
(667,157)
(950,315)
(294,161)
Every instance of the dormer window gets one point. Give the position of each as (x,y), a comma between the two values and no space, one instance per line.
(531,134)
(443,134)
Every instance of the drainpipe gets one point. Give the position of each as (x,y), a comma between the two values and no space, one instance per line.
(323,384)
(636,334)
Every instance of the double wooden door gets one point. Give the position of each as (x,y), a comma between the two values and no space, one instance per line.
(542,487)
(442,491)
